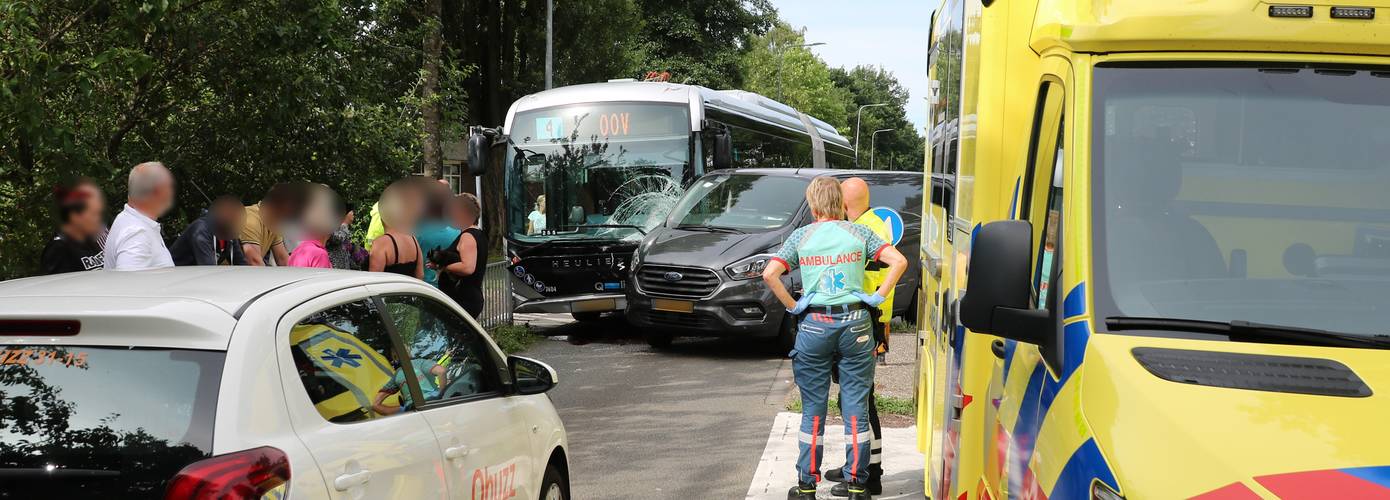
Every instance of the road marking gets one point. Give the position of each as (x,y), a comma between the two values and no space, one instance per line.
(902,464)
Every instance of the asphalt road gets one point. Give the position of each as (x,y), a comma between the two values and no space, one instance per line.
(690,422)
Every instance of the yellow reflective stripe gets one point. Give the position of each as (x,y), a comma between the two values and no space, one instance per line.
(1063,431)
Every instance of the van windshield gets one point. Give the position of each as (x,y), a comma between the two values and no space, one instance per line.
(1251,193)
(100,421)
(744,202)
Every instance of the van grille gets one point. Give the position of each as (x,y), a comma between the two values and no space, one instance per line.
(690,282)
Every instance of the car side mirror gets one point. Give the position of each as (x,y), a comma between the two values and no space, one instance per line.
(999,289)
(479,151)
(723,150)
(530,376)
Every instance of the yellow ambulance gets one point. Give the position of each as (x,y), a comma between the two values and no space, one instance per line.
(1156,250)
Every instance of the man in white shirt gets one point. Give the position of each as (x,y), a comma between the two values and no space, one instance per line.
(134,241)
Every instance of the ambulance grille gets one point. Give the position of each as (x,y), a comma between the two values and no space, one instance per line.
(1256,372)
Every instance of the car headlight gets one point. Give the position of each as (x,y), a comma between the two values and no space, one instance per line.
(1100,491)
(749,268)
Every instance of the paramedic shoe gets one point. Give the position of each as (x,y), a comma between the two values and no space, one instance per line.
(874,484)
(854,492)
(802,492)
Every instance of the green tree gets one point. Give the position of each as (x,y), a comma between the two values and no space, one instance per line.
(900,149)
(701,42)
(233,95)
(779,67)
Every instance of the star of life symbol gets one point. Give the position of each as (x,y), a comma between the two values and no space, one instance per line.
(834,282)
(341,357)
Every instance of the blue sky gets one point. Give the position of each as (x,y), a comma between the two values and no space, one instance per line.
(888,33)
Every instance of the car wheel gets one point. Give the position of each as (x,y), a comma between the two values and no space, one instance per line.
(587,317)
(786,336)
(553,485)
(659,340)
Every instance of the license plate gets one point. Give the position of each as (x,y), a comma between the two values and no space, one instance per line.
(599,305)
(680,306)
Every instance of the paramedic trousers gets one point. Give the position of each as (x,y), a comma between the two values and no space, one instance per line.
(823,336)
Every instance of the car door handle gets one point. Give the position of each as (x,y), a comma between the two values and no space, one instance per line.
(349,481)
(456,452)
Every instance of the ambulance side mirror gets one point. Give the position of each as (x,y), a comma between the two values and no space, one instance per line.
(999,289)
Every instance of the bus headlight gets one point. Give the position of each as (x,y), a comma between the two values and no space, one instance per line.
(749,268)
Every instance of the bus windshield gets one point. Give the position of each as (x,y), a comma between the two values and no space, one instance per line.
(746,202)
(1244,193)
(606,171)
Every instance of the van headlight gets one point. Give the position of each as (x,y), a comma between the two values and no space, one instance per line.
(749,268)
(1099,491)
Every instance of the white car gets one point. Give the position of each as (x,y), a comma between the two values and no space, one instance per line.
(265,383)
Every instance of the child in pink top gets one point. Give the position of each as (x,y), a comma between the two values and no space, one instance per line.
(310,253)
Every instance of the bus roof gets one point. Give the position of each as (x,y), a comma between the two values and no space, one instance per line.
(1099,26)
(744,103)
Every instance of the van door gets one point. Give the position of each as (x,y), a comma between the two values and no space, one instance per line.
(336,356)
(484,436)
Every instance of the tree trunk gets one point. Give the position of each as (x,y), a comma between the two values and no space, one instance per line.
(431,151)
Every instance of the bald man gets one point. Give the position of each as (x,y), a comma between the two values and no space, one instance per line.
(855,192)
(134,241)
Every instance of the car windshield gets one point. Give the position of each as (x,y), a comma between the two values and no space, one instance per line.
(743,202)
(1244,193)
(101,421)
(595,171)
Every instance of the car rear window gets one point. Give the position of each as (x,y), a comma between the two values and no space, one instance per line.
(102,422)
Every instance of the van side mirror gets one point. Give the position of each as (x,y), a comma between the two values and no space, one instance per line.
(723,149)
(530,376)
(479,151)
(999,289)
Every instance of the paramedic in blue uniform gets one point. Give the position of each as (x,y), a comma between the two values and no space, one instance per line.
(833,312)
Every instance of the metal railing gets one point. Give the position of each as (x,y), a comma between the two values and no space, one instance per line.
(497,297)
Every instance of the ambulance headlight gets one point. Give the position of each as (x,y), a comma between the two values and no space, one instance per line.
(749,268)
(1099,491)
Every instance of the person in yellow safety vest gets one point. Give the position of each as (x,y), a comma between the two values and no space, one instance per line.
(856,198)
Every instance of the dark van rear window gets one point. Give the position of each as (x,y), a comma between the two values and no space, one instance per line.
(102,422)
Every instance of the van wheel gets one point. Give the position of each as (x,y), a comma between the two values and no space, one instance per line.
(553,485)
(586,317)
(786,336)
(659,340)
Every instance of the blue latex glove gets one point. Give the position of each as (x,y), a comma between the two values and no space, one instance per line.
(872,299)
(802,304)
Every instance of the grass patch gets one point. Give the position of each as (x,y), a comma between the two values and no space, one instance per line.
(514,338)
(887,405)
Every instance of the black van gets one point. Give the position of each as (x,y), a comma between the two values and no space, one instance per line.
(699,274)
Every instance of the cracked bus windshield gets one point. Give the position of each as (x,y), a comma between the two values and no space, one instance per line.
(595,171)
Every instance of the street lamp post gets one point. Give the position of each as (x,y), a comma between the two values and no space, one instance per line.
(857,116)
(873,145)
(549,43)
(781,59)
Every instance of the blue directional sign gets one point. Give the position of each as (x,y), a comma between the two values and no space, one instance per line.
(893,220)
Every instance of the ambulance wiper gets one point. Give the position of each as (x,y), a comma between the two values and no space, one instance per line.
(1245,331)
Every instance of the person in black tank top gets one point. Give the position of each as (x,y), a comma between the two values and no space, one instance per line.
(465,263)
(400,209)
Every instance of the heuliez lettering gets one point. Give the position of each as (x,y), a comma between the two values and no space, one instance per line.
(830,260)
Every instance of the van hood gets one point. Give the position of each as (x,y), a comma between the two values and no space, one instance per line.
(1225,440)
(682,247)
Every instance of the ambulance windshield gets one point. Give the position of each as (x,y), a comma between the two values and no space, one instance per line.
(1251,193)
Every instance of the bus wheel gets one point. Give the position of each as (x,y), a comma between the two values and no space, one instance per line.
(586,317)
(659,340)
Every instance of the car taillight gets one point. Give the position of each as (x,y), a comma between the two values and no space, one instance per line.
(244,474)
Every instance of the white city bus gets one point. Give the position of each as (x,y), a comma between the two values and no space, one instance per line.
(590,168)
